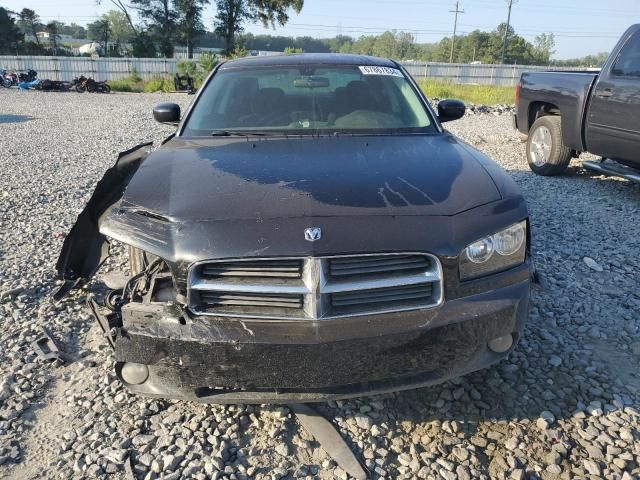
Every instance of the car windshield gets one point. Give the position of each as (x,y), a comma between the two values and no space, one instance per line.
(308,100)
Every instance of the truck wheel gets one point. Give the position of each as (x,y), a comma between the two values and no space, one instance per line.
(546,152)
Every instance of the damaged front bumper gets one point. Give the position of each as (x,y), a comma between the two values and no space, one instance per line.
(237,360)
(163,349)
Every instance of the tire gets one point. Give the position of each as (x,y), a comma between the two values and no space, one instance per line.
(80,89)
(546,152)
(106,88)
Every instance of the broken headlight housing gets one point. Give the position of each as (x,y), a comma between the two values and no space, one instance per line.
(495,253)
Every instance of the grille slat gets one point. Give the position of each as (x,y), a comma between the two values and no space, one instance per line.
(395,294)
(339,267)
(263,300)
(382,294)
(271,268)
(308,288)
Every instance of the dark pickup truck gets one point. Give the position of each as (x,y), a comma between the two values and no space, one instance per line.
(564,114)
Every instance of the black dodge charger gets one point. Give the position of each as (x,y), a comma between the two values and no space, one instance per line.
(310,232)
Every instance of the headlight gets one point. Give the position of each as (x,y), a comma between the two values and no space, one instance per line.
(500,251)
(480,251)
(510,240)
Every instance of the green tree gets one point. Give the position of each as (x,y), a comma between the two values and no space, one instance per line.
(386,46)
(100,31)
(30,21)
(232,14)
(10,34)
(75,30)
(53,28)
(486,47)
(391,44)
(591,61)
(142,45)
(161,18)
(190,25)
(337,43)
(473,47)
(543,47)
(122,8)
(405,45)
(365,45)
(121,31)
(520,52)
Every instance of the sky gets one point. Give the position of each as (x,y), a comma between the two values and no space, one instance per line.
(581,27)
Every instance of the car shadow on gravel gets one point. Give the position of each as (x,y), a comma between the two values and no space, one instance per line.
(11,118)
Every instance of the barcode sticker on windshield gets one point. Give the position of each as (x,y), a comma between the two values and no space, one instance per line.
(373,70)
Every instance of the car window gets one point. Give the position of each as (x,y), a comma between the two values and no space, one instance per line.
(628,62)
(309,100)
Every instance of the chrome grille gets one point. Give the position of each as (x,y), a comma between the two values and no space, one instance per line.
(315,287)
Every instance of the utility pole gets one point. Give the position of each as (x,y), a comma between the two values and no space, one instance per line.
(506,32)
(455,27)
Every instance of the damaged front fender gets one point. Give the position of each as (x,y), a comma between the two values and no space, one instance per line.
(85,248)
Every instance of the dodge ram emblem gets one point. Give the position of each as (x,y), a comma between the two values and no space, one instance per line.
(312,234)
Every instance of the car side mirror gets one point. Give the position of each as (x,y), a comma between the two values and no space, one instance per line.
(168,113)
(449,110)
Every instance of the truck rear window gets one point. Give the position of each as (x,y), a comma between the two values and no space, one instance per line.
(309,100)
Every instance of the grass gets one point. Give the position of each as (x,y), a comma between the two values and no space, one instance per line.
(477,94)
(126,85)
(158,84)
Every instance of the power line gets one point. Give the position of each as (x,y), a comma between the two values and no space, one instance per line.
(455,27)
(528,32)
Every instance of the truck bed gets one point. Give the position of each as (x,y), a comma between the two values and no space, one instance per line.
(566,91)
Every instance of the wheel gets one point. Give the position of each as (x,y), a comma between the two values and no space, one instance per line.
(80,89)
(106,88)
(113,301)
(546,152)
(6,83)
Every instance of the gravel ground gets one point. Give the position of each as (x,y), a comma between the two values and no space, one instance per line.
(564,405)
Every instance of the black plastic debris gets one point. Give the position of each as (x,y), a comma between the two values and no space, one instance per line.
(47,347)
(329,439)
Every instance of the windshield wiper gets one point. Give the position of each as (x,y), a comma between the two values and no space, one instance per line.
(237,133)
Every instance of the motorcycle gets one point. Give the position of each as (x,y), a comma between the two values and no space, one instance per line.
(28,76)
(83,84)
(52,86)
(8,78)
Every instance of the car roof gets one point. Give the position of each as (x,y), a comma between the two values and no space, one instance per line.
(308,59)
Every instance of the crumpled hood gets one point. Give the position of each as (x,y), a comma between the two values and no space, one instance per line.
(274,178)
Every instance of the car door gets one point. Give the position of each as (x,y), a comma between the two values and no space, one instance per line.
(613,119)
